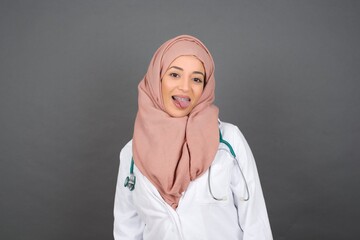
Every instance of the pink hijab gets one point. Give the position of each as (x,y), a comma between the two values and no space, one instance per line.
(171,151)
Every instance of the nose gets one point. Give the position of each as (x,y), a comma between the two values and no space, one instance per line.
(184,84)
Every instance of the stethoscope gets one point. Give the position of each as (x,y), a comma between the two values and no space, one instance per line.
(131,179)
(232,153)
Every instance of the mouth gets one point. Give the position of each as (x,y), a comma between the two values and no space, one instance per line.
(181,102)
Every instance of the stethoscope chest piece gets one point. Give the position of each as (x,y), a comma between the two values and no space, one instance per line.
(130,182)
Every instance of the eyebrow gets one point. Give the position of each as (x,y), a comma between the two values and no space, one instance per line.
(179,68)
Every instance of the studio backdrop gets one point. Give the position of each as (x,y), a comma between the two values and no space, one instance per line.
(287,73)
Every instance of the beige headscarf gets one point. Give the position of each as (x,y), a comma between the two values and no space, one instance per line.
(172,151)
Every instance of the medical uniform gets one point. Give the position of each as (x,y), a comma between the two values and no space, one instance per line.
(143,214)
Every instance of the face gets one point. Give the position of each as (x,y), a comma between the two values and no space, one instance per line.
(182,85)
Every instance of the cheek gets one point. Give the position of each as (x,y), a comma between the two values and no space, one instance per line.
(198,90)
(168,86)
(164,87)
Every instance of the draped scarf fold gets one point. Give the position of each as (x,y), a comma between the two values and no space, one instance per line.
(172,151)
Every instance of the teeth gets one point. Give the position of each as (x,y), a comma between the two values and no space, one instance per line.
(181,99)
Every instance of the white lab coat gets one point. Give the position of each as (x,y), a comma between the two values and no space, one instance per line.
(143,214)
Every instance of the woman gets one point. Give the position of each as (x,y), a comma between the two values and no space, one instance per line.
(187,174)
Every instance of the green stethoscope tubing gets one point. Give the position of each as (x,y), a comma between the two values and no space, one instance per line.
(227,144)
(131,180)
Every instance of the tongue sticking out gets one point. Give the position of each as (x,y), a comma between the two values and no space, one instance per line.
(181,102)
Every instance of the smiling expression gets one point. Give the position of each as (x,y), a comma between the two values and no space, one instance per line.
(182,85)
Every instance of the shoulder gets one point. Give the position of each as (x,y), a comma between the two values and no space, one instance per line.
(126,151)
(125,159)
(233,135)
(229,130)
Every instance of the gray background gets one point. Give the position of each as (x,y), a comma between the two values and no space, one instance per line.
(287,74)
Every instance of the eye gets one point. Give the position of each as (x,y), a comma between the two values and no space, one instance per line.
(198,80)
(174,75)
